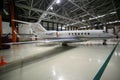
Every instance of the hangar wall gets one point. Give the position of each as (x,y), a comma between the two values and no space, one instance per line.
(6,29)
(23,29)
(25,32)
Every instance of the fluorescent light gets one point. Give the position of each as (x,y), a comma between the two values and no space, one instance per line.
(113,12)
(58,1)
(83,20)
(51,8)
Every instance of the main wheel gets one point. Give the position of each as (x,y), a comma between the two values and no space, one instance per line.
(64,44)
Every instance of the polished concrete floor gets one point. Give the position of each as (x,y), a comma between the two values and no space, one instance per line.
(54,62)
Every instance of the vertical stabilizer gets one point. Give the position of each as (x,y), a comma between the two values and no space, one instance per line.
(37,28)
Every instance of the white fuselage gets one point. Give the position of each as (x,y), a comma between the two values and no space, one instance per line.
(81,34)
(67,36)
(77,34)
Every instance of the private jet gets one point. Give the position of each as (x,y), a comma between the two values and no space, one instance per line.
(65,37)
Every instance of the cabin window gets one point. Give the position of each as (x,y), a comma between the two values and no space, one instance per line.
(88,33)
(69,33)
(72,34)
(81,33)
(85,33)
(78,33)
(75,33)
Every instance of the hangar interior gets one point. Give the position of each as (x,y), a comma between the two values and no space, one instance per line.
(89,60)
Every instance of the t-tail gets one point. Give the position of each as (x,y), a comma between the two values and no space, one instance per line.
(36,27)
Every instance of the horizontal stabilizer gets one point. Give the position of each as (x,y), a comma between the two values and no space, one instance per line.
(24,22)
(36,27)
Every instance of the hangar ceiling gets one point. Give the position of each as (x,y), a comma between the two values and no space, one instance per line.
(69,12)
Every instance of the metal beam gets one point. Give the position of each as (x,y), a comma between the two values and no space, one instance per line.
(30,7)
(80,8)
(0,31)
(44,14)
(41,11)
(45,19)
(11,6)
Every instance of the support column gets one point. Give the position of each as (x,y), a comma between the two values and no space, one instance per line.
(57,26)
(68,28)
(71,28)
(11,6)
(48,28)
(53,26)
(0,31)
(1,11)
(61,27)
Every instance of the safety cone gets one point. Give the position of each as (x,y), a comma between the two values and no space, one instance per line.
(2,61)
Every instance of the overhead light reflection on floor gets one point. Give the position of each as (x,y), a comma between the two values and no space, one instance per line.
(60,78)
(53,71)
(99,61)
(117,53)
(90,59)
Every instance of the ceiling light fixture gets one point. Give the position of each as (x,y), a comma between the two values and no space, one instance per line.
(58,1)
(51,8)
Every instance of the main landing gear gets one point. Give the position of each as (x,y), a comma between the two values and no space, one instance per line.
(104,42)
(64,44)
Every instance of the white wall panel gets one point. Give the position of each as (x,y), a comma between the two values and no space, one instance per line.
(5,27)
